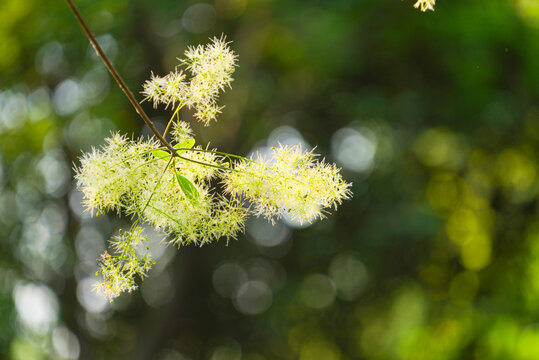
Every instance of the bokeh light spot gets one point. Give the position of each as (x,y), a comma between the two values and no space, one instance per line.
(462,225)
(228,278)
(517,172)
(67,99)
(443,191)
(199,18)
(230,9)
(476,253)
(264,233)
(319,350)
(464,287)
(354,148)
(439,147)
(349,275)
(36,305)
(65,343)
(318,291)
(253,297)
(158,289)
(287,136)
(229,349)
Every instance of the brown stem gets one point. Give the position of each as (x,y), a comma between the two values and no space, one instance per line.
(117,77)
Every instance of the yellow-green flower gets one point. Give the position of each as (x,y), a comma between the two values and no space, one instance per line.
(425,5)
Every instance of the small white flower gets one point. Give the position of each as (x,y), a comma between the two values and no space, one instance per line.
(181,131)
(425,5)
(166,90)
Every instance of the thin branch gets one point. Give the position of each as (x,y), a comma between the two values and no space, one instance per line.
(117,77)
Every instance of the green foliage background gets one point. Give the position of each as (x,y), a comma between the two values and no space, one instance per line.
(436,256)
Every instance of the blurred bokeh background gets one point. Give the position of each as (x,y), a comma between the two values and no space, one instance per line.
(433,116)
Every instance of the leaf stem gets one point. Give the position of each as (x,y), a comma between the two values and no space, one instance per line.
(172,118)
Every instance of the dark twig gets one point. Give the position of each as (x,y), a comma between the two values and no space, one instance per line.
(118,78)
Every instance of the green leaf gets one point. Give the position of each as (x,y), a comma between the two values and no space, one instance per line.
(186,144)
(188,188)
(160,154)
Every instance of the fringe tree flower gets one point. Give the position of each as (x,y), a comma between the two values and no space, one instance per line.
(133,177)
(200,155)
(425,5)
(214,61)
(171,190)
(109,177)
(189,221)
(181,132)
(294,182)
(166,90)
(120,268)
(211,69)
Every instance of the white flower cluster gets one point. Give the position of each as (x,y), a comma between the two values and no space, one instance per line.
(181,132)
(119,270)
(174,195)
(425,5)
(291,181)
(133,177)
(211,69)
(166,90)
(171,191)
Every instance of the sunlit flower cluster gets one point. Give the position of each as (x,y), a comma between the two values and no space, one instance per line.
(133,177)
(425,5)
(211,69)
(120,268)
(166,90)
(181,132)
(109,177)
(173,194)
(290,181)
(169,185)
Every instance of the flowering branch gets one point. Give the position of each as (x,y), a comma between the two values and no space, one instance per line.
(169,186)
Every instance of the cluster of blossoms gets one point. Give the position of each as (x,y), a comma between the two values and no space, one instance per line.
(425,5)
(211,69)
(171,190)
(120,271)
(290,180)
(132,177)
